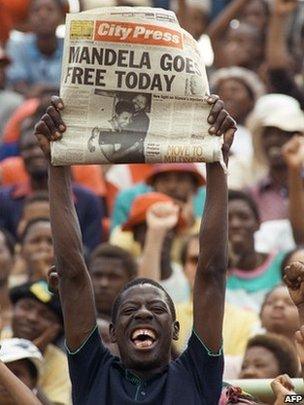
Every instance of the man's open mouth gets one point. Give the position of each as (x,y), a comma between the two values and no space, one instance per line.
(143,338)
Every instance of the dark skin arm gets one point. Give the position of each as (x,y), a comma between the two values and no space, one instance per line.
(75,289)
(210,280)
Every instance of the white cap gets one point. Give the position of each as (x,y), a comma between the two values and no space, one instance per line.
(18,349)
(274,110)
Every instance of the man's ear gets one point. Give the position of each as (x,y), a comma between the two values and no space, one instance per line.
(176,328)
(112,333)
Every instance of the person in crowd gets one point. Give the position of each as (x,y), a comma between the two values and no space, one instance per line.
(88,205)
(110,268)
(270,133)
(239,88)
(251,274)
(239,325)
(242,43)
(193,16)
(36,57)
(155,222)
(281,61)
(35,206)
(7,256)
(268,356)
(21,364)
(37,248)
(37,317)
(9,100)
(181,181)
(278,314)
(143,318)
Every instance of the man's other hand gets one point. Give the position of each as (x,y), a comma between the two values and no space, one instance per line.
(50,127)
(221,123)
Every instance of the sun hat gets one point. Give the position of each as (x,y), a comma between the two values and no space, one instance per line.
(18,349)
(140,206)
(273,110)
(175,167)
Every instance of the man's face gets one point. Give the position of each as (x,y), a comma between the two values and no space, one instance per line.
(108,277)
(242,47)
(31,319)
(242,226)
(191,260)
(6,259)
(33,158)
(272,141)
(178,185)
(236,97)
(144,328)
(45,16)
(38,244)
(259,363)
(279,314)
(140,102)
(21,370)
(123,119)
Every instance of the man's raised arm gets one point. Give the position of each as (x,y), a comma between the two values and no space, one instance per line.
(76,293)
(210,280)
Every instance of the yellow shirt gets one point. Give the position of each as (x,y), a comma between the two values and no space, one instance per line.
(54,378)
(237,328)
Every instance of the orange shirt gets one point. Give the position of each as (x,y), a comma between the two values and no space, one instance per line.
(12,171)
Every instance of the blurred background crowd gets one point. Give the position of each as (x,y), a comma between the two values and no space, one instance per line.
(253,51)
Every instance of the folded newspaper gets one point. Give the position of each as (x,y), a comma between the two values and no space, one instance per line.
(134,86)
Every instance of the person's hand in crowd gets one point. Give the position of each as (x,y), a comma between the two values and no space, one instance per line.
(221,123)
(52,279)
(299,344)
(47,337)
(51,126)
(282,386)
(162,216)
(294,279)
(285,7)
(293,152)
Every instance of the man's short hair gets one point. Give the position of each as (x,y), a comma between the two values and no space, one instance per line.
(124,106)
(9,241)
(281,348)
(241,195)
(30,224)
(108,251)
(141,281)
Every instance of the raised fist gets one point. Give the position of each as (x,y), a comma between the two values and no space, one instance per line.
(293,152)
(294,279)
(162,216)
(50,127)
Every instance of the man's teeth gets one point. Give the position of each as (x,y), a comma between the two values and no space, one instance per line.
(143,343)
(143,332)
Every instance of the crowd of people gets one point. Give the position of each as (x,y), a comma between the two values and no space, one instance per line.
(154,283)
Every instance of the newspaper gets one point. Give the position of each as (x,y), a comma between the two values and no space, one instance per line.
(134,87)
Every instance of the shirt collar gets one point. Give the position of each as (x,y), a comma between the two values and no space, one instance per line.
(133,378)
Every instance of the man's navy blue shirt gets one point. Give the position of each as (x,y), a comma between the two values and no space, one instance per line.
(98,378)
